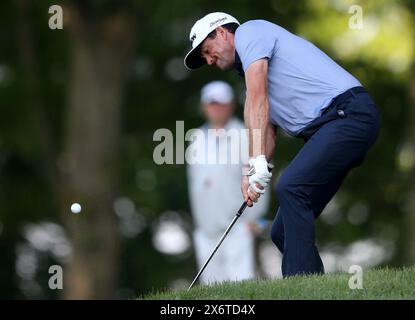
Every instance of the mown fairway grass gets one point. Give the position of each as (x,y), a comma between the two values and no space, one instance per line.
(377,284)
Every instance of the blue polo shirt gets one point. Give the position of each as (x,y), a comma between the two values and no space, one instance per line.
(302,79)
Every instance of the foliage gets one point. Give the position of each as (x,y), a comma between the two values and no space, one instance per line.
(159,93)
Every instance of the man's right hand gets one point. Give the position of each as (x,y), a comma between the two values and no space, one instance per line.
(244,190)
(249,195)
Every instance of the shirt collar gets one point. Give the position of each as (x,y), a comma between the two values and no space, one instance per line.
(238,65)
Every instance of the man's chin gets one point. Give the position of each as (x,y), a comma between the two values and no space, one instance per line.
(226,67)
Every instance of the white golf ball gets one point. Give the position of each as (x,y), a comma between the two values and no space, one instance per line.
(76,208)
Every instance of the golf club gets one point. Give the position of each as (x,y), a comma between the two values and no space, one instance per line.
(240,211)
(238,214)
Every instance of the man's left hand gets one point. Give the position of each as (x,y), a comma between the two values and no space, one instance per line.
(260,176)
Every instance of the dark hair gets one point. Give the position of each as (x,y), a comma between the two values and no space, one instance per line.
(231,27)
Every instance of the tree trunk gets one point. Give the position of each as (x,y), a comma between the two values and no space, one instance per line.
(410,207)
(409,225)
(101,51)
(32,89)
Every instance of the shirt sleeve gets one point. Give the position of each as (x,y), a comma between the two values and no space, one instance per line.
(254,41)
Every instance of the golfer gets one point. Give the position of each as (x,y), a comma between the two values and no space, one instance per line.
(294,86)
(215,200)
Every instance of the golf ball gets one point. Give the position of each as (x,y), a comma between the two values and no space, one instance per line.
(76,208)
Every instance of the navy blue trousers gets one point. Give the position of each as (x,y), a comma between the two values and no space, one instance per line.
(336,142)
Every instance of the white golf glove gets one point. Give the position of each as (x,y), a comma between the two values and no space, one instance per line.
(259,174)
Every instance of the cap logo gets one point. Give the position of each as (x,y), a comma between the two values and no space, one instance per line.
(193,38)
(217,21)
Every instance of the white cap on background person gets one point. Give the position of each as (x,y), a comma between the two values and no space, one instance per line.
(200,31)
(217,91)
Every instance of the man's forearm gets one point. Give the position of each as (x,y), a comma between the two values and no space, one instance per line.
(270,142)
(257,123)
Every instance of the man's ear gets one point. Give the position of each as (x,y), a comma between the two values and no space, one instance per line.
(221,31)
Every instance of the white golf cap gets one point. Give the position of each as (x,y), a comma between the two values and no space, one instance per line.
(200,31)
(217,91)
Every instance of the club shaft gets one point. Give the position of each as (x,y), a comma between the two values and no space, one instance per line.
(240,211)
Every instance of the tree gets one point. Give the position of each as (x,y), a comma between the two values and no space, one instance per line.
(102,45)
(409,243)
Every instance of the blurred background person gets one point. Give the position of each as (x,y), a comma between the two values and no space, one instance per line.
(214,203)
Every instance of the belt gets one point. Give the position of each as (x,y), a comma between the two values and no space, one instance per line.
(353,92)
(332,112)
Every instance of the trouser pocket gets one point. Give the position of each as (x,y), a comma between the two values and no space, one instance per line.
(330,114)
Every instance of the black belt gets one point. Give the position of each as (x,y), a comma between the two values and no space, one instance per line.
(353,92)
(332,112)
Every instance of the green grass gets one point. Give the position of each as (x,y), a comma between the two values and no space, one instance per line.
(377,284)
